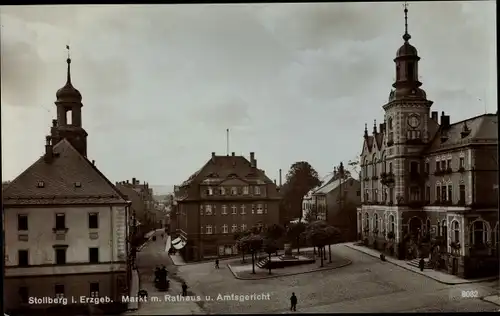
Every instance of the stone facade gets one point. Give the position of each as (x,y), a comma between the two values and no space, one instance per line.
(424,177)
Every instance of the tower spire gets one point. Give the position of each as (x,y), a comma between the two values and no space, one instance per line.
(68,60)
(374,127)
(406,35)
(366,130)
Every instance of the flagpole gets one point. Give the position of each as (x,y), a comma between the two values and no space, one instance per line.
(227,141)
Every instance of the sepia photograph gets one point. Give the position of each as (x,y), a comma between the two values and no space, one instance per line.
(249,158)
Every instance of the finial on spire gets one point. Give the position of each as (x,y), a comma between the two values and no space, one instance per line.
(366,130)
(68,60)
(374,126)
(406,36)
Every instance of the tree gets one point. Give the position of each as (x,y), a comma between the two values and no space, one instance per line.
(239,237)
(334,236)
(316,224)
(301,178)
(253,243)
(295,231)
(319,238)
(270,246)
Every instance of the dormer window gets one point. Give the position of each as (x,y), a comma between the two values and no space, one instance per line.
(245,190)
(210,191)
(256,190)
(40,184)
(234,191)
(222,191)
(78,184)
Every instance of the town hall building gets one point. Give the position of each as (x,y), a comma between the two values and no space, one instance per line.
(427,181)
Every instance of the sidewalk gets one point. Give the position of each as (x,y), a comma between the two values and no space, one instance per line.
(495,299)
(441,277)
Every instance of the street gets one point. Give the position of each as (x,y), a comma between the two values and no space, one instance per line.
(368,285)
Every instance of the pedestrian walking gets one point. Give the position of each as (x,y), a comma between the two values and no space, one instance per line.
(293,302)
(217,263)
(143,294)
(421,264)
(184,289)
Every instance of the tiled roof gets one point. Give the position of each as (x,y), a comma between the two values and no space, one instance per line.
(329,186)
(133,196)
(481,128)
(69,179)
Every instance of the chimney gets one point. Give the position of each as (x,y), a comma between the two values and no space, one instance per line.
(213,156)
(93,162)
(252,159)
(281,183)
(127,182)
(445,120)
(434,116)
(381,127)
(274,181)
(232,154)
(133,181)
(54,123)
(49,150)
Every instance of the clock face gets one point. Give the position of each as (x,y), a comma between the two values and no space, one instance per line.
(413,121)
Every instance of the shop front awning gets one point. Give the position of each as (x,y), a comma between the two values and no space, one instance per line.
(179,243)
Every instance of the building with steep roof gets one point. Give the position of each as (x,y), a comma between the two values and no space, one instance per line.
(65,222)
(228,194)
(424,177)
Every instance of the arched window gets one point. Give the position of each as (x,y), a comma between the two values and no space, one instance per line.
(479,231)
(389,123)
(393,224)
(375,222)
(456,231)
(374,167)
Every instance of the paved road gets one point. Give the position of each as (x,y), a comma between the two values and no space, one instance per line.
(148,259)
(368,285)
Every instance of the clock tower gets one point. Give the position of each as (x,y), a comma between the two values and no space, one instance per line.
(407,115)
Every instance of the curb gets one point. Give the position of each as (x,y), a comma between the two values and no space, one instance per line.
(201,262)
(426,275)
(487,299)
(348,262)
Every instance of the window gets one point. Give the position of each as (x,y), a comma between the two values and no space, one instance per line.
(478,236)
(443,164)
(23,258)
(94,289)
(375,222)
(462,162)
(256,190)
(93,220)
(414,167)
(60,255)
(390,167)
(208,209)
(375,195)
(234,191)
(243,209)
(358,193)
(210,191)
(438,193)
(456,232)
(393,224)
(367,221)
(427,193)
(201,209)
(222,191)
(94,255)
(450,193)
(426,167)
(367,195)
(259,208)
(245,190)
(461,189)
(60,222)
(439,228)
(78,184)
(22,222)
(234,228)
(443,193)
(224,209)
(224,229)
(444,229)
(23,294)
(59,290)
(233,208)
(428,226)
(40,184)
(209,229)
(243,227)
(438,166)
(414,194)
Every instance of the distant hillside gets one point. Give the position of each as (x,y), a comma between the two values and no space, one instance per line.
(162,189)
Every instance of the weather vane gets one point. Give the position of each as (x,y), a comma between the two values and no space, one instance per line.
(67,47)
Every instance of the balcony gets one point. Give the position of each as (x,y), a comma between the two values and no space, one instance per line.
(387,178)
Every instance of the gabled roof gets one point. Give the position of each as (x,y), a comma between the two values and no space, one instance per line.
(133,196)
(329,187)
(481,128)
(69,179)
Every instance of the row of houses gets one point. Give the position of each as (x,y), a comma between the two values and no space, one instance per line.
(66,226)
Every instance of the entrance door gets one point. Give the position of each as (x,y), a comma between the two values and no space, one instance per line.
(454,267)
(415,226)
(228,251)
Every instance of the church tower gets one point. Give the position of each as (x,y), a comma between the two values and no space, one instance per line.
(407,116)
(69,115)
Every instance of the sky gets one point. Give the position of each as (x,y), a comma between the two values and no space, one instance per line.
(292,82)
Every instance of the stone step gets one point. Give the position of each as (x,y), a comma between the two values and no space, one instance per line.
(262,263)
(415,263)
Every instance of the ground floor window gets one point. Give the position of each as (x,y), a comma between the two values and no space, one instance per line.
(227,250)
(479,233)
(456,232)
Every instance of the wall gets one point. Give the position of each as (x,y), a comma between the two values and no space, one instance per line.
(111,239)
